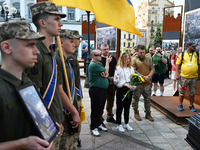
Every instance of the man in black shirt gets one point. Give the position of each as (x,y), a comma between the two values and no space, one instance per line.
(111,88)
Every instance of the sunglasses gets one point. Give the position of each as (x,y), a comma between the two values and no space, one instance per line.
(97,54)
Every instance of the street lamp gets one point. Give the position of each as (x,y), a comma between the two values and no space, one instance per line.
(6,9)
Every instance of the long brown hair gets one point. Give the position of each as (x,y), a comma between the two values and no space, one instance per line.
(122,59)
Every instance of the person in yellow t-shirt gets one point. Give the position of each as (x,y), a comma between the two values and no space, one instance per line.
(189,74)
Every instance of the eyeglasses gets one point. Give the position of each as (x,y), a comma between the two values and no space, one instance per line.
(97,54)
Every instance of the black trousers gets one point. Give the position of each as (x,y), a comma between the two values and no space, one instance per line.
(123,104)
(98,99)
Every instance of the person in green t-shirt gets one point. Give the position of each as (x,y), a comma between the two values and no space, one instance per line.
(159,61)
(98,84)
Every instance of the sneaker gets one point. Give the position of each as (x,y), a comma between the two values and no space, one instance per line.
(128,127)
(120,128)
(103,128)
(180,108)
(112,120)
(95,132)
(154,95)
(192,108)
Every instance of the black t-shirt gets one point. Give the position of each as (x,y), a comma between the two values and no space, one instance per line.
(112,65)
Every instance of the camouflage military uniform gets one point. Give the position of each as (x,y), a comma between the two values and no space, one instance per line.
(42,71)
(143,67)
(68,141)
(15,121)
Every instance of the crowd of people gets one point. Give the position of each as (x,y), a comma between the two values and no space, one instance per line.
(154,67)
(28,57)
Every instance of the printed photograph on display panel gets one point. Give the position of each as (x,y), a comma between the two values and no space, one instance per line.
(108,35)
(170,44)
(192,28)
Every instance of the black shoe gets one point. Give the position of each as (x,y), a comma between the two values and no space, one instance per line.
(154,95)
(112,120)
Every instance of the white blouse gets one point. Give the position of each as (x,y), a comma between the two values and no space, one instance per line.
(122,76)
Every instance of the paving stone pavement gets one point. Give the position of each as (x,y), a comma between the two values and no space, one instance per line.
(160,134)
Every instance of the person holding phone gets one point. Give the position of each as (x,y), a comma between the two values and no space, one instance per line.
(18,48)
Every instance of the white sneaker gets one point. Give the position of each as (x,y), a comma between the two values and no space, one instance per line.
(103,128)
(120,128)
(128,127)
(95,132)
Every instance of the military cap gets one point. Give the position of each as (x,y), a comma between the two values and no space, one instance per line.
(46,7)
(191,44)
(76,34)
(66,33)
(18,30)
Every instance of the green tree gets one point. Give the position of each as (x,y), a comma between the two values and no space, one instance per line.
(158,38)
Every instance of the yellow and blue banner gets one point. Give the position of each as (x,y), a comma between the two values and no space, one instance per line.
(116,13)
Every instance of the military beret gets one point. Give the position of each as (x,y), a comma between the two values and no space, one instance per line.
(18,30)
(66,33)
(76,34)
(46,7)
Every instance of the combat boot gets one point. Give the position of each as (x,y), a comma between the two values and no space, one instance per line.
(137,115)
(149,117)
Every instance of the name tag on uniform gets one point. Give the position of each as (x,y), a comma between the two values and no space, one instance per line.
(189,64)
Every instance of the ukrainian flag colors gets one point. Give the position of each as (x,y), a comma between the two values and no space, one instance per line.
(116,13)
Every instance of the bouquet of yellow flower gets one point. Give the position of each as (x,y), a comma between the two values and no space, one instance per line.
(136,79)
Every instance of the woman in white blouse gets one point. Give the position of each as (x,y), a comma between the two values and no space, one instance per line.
(122,78)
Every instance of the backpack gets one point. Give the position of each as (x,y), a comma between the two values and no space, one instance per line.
(197,57)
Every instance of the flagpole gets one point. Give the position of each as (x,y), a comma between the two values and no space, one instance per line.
(88,54)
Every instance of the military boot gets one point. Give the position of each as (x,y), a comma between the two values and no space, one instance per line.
(137,115)
(149,117)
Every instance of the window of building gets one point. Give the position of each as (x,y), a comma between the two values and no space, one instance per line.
(129,36)
(17,6)
(124,36)
(133,44)
(124,44)
(153,10)
(158,9)
(71,13)
(133,36)
(59,8)
(129,45)
(29,10)
(152,16)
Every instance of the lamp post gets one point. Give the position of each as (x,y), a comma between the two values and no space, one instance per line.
(6,9)
(88,55)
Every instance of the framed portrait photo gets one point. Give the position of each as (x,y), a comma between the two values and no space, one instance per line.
(38,111)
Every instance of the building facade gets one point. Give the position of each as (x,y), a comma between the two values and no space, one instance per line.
(150,16)
(129,40)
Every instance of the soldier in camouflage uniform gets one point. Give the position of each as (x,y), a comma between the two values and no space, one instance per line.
(68,139)
(143,65)
(18,50)
(75,65)
(47,19)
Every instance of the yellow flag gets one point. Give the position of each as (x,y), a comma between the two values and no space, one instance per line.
(116,13)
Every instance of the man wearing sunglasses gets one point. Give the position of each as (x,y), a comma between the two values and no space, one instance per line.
(188,62)
(98,84)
